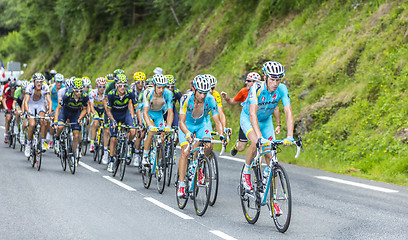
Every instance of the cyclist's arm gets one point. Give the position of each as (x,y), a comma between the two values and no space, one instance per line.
(14,104)
(146,117)
(48,97)
(83,113)
(139,116)
(289,120)
(276,113)
(222,117)
(131,109)
(218,124)
(26,99)
(57,111)
(253,109)
(4,103)
(182,123)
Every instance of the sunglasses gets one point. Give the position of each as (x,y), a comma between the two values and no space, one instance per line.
(38,81)
(121,85)
(249,81)
(277,79)
(77,90)
(101,86)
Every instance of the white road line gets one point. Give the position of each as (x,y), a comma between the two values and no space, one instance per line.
(170,209)
(386,190)
(88,167)
(222,235)
(121,184)
(232,158)
(3,127)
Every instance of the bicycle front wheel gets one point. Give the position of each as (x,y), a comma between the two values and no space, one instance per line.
(122,163)
(280,198)
(160,169)
(85,139)
(214,179)
(249,201)
(202,185)
(70,154)
(169,161)
(147,174)
(181,201)
(63,158)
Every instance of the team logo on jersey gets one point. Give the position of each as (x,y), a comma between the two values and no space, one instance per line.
(206,131)
(270,138)
(274,97)
(119,103)
(262,98)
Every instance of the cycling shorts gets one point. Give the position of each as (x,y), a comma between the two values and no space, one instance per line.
(36,107)
(266,126)
(120,117)
(202,130)
(73,116)
(157,118)
(241,136)
(100,113)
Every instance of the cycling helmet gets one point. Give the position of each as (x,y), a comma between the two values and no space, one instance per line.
(122,78)
(139,76)
(149,82)
(110,78)
(24,83)
(78,83)
(18,83)
(13,84)
(253,76)
(158,70)
(86,81)
(69,83)
(59,78)
(118,71)
(201,84)
(171,79)
(160,80)
(38,76)
(53,72)
(101,81)
(213,80)
(273,69)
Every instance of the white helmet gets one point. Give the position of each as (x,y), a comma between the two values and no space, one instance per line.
(158,70)
(273,69)
(59,78)
(212,79)
(24,83)
(160,80)
(201,84)
(253,76)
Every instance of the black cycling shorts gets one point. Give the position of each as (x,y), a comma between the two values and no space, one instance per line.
(242,137)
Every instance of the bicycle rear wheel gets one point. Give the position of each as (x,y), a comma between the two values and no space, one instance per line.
(280,194)
(70,154)
(84,139)
(202,185)
(214,179)
(38,153)
(249,201)
(160,169)
(147,174)
(63,159)
(181,201)
(122,162)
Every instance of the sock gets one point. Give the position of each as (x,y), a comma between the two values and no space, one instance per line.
(246,169)
(92,142)
(110,158)
(182,184)
(145,152)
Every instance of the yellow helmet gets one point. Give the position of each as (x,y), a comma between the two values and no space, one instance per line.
(139,76)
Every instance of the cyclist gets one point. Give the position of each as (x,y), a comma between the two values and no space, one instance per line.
(73,106)
(87,85)
(194,109)
(156,100)
(8,98)
(119,110)
(256,116)
(111,82)
(18,105)
(96,98)
(37,95)
(52,75)
(241,96)
(54,88)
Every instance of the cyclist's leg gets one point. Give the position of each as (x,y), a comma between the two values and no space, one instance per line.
(268,132)
(7,124)
(242,141)
(250,134)
(183,156)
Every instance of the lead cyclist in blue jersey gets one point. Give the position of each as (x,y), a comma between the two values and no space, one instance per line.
(256,115)
(194,109)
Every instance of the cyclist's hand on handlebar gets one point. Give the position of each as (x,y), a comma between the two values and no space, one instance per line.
(263,142)
(288,141)
(189,137)
(224,139)
(153,129)
(167,129)
(80,122)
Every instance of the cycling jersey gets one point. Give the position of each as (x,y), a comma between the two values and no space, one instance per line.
(109,87)
(19,97)
(176,98)
(54,95)
(201,125)
(242,95)
(62,92)
(36,104)
(217,97)
(96,100)
(8,95)
(120,104)
(265,100)
(157,105)
(71,109)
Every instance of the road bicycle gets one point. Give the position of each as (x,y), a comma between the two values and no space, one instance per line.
(170,153)
(157,163)
(83,145)
(122,156)
(98,151)
(36,143)
(198,180)
(66,151)
(12,133)
(273,191)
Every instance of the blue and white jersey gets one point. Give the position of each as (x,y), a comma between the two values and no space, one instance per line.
(161,106)
(265,100)
(187,107)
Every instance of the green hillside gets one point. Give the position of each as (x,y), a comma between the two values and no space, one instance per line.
(345,61)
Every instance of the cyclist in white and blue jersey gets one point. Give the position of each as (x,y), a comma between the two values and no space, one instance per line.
(194,109)
(156,101)
(256,115)
(54,88)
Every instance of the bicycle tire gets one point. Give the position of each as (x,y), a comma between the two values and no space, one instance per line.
(147,173)
(85,140)
(250,207)
(63,159)
(160,169)
(181,201)
(215,178)
(281,187)
(122,160)
(39,152)
(201,202)
(169,162)
(70,154)
(10,134)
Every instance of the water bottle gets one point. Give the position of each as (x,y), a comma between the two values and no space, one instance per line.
(265,176)
(152,155)
(191,167)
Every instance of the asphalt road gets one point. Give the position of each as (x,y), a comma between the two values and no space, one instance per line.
(52,204)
